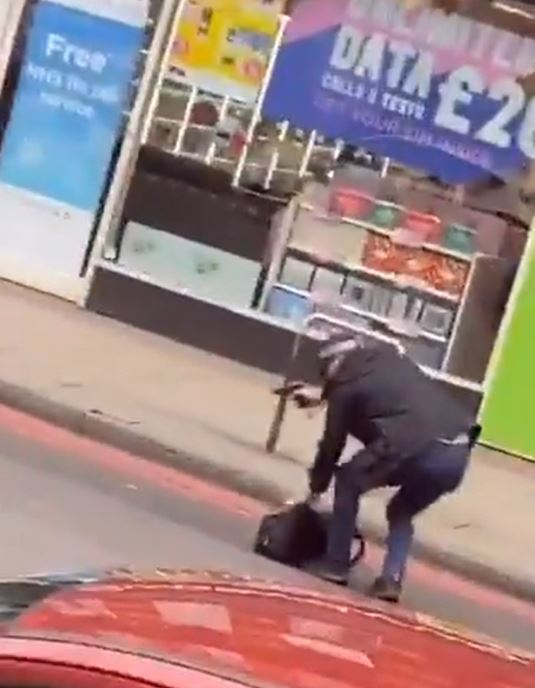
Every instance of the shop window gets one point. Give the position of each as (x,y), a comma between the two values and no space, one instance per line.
(190,122)
(401,256)
(281,223)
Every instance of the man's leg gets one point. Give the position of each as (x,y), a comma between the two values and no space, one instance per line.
(427,480)
(409,500)
(342,524)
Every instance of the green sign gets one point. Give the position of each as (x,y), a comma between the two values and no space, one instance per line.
(507,412)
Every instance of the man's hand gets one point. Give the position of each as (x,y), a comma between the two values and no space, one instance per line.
(289,389)
(307,398)
(304,397)
(317,485)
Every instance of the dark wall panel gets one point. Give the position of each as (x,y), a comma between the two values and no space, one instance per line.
(194,322)
(196,202)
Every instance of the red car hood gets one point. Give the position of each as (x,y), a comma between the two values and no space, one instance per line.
(265,633)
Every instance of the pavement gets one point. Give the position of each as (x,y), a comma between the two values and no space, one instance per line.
(210,416)
(72,505)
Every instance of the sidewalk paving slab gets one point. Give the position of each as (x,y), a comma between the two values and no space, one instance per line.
(210,416)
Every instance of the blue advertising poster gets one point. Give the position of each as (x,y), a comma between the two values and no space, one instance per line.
(435,91)
(75,83)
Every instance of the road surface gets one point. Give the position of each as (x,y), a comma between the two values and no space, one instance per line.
(70,504)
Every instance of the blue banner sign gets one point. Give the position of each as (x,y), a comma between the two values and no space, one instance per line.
(435,91)
(75,84)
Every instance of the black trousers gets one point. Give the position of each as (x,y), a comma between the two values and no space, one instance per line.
(422,481)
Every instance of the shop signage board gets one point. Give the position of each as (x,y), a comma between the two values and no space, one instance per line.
(75,83)
(506,412)
(433,91)
(223,46)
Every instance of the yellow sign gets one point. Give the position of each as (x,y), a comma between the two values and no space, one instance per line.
(223,46)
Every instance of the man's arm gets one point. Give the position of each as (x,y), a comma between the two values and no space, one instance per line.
(331,444)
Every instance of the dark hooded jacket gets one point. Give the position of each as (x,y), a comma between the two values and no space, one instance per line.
(383,399)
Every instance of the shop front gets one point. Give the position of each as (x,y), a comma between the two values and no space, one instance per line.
(382,176)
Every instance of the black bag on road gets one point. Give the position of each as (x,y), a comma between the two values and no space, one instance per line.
(296,536)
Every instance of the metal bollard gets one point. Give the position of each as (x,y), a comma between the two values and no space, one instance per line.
(282,403)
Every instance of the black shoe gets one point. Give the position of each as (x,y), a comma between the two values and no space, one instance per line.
(330,573)
(386,589)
